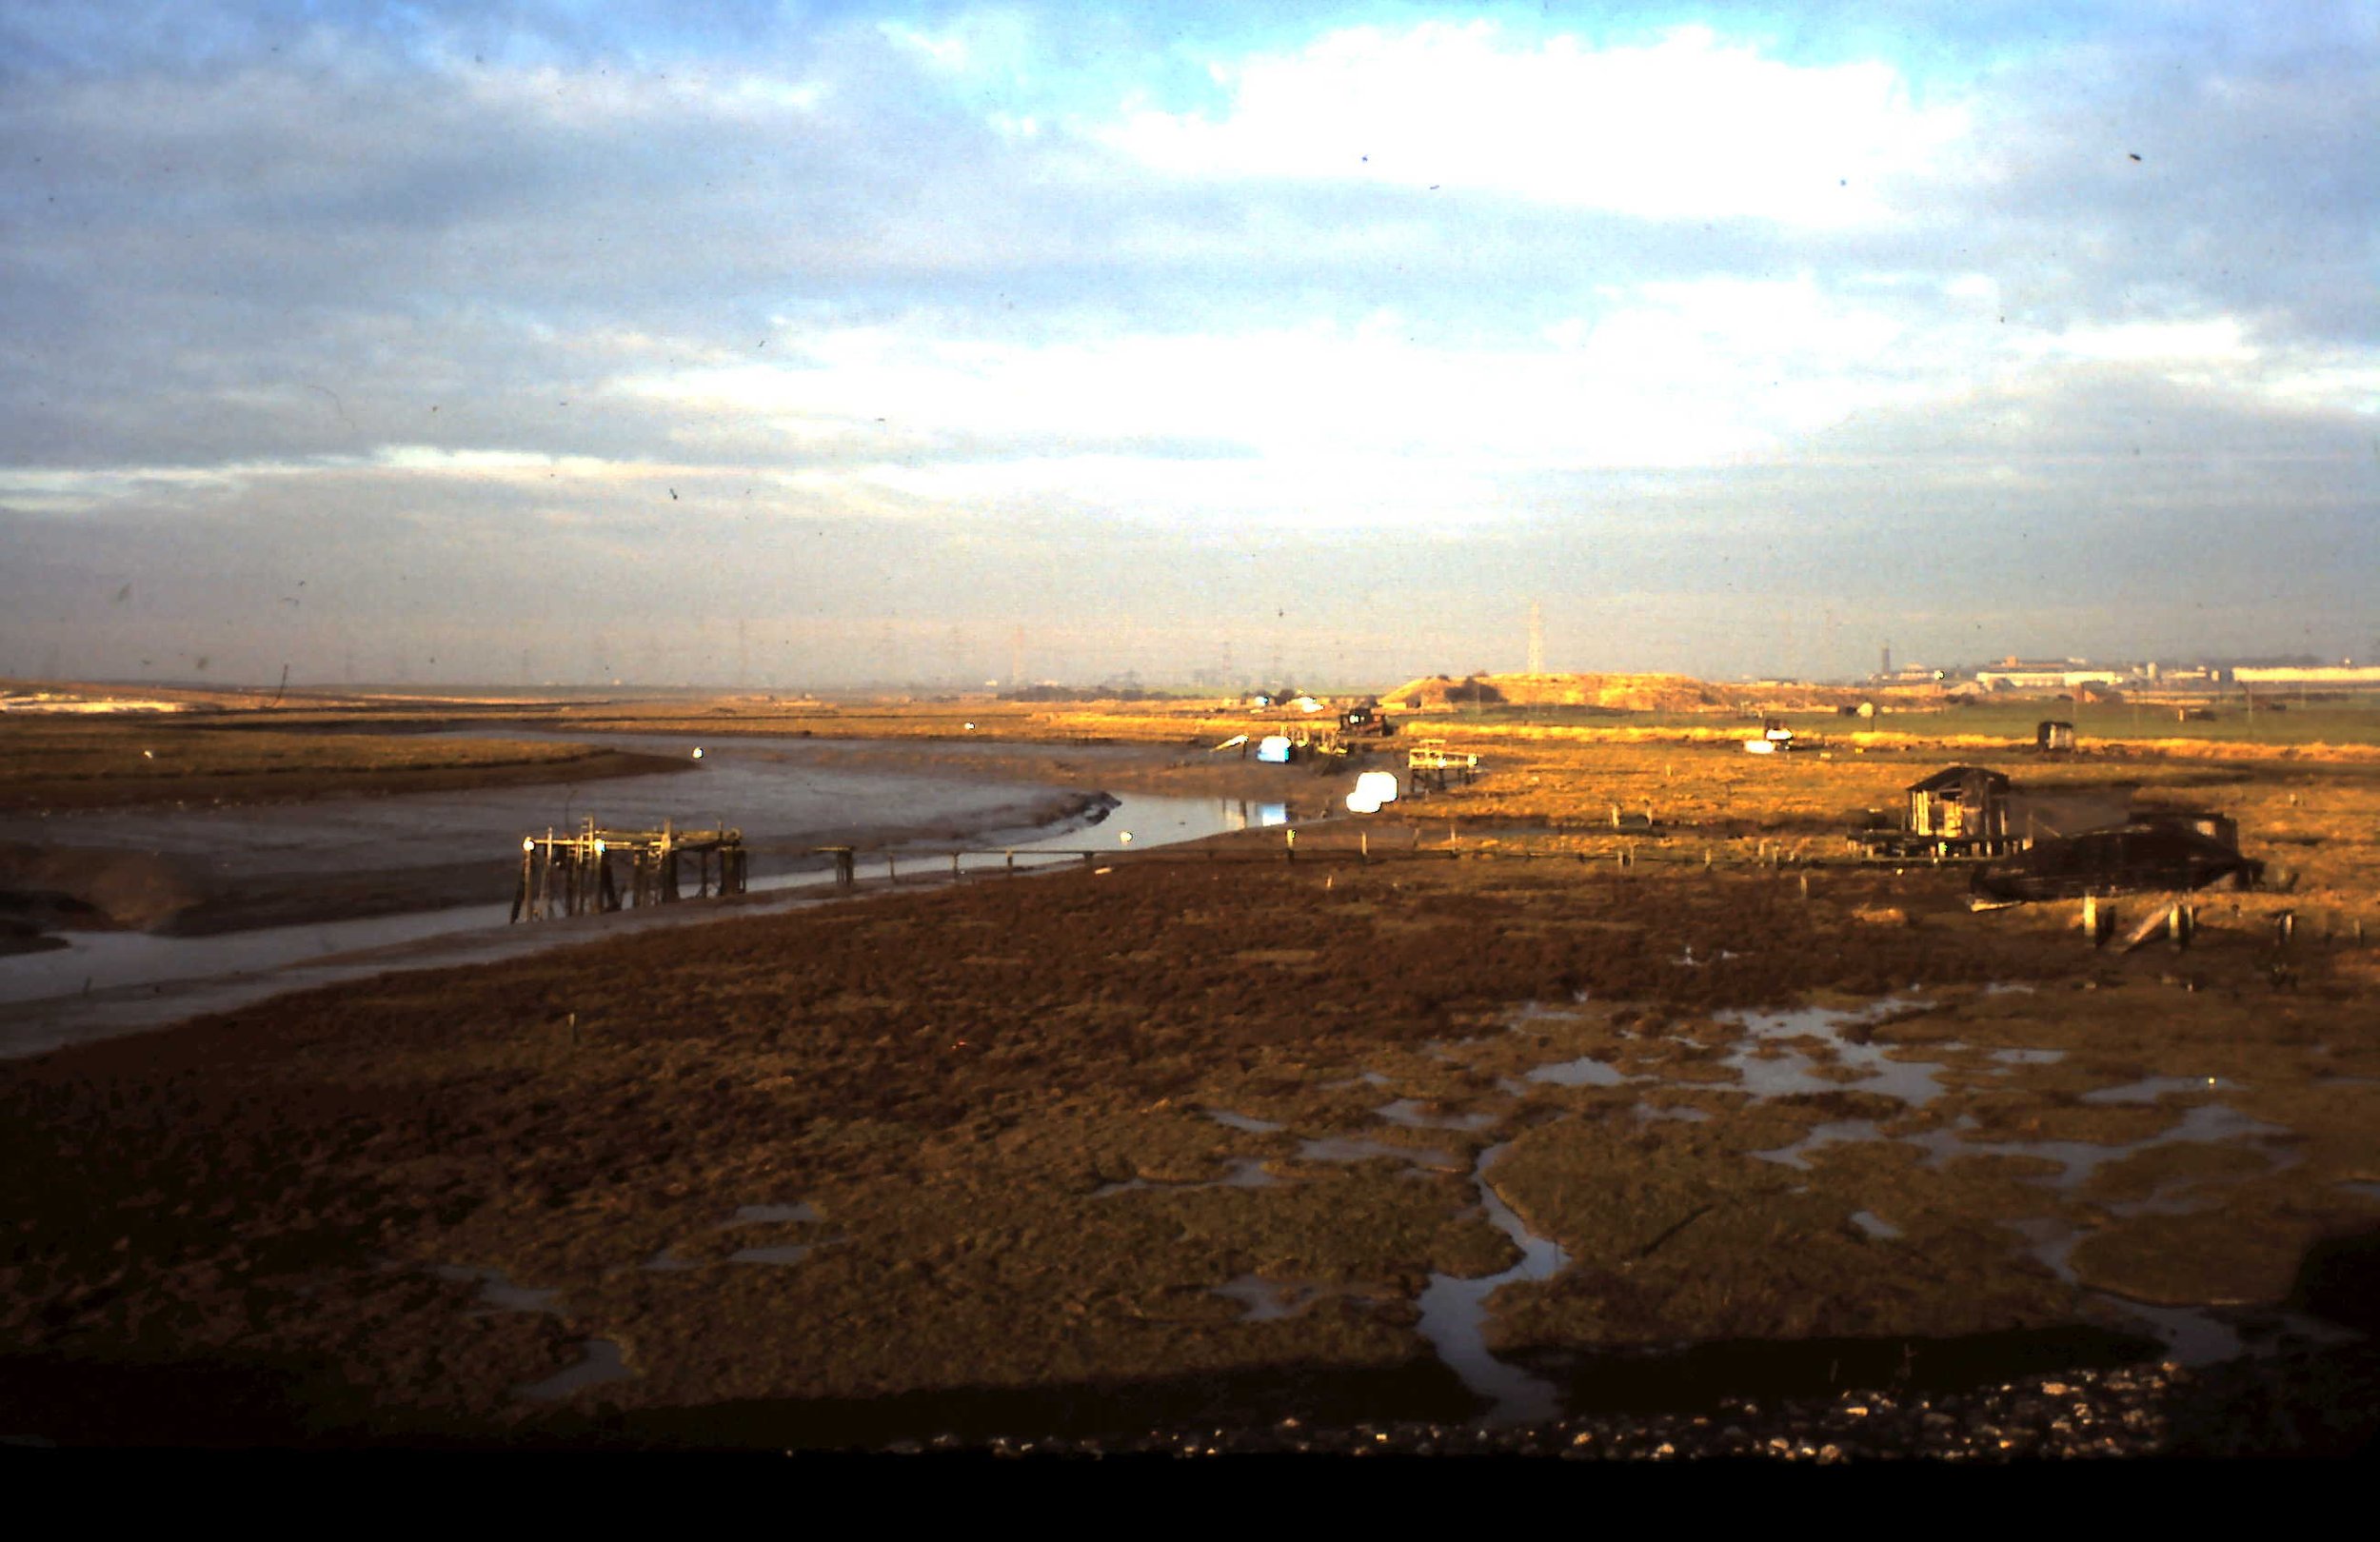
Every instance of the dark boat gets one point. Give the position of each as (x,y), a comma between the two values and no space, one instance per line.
(2147,853)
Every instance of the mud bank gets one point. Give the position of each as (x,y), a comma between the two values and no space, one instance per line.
(202,790)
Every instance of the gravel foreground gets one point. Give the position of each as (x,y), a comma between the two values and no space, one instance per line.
(2315,1405)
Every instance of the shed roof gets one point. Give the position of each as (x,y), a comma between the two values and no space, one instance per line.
(1952,775)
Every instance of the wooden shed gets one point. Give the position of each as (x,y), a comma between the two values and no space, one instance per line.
(2054,738)
(1965,803)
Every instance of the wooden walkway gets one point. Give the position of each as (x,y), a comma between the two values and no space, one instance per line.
(573,875)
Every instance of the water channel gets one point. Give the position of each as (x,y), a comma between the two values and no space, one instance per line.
(787,795)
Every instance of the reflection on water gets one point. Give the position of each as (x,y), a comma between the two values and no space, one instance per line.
(602,1361)
(2076,1159)
(1238,1173)
(1586,1071)
(1454,1315)
(497,1292)
(1415,1115)
(1359,1149)
(2149,1089)
(1268,1301)
(1772,1067)
(790,1252)
(1875,1225)
(2193,1335)
(765,1215)
(110,982)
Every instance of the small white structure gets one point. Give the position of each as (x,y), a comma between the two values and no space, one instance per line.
(1273,749)
(1374,790)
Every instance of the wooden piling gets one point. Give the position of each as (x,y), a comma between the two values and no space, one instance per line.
(2098,919)
(574,874)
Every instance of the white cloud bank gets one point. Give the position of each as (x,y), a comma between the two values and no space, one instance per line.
(1689,128)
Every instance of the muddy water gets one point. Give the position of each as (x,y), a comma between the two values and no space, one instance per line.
(1771,1068)
(1785,1053)
(777,791)
(2193,1335)
(1454,1315)
(774,790)
(602,1362)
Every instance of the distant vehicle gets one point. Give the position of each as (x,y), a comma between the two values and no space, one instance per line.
(1366,722)
(2146,854)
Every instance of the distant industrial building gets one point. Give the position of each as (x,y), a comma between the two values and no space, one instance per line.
(2047,675)
(2339,676)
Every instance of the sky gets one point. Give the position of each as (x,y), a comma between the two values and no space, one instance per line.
(834,344)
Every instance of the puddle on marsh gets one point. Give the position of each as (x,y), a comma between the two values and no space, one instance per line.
(1772,1067)
(601,1359)
(1875,1225)
(1246,1123)
(1586,1071)
(1242,1173)
(604,1361)
(791,1253)
(765,1215)
(2149,1089)
(2077,1160)
(496,1292)
(2193,1335)
(1454,1315)
(1270,1300)
(1358,1149)
(1414,1116)
(1825,1050)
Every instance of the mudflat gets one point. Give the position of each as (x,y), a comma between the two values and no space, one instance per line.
(1187,1140)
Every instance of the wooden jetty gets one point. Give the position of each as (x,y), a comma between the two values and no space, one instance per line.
(1430,763)
(573,874)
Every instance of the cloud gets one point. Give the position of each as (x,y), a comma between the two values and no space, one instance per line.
(1687,127)
(974,313)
